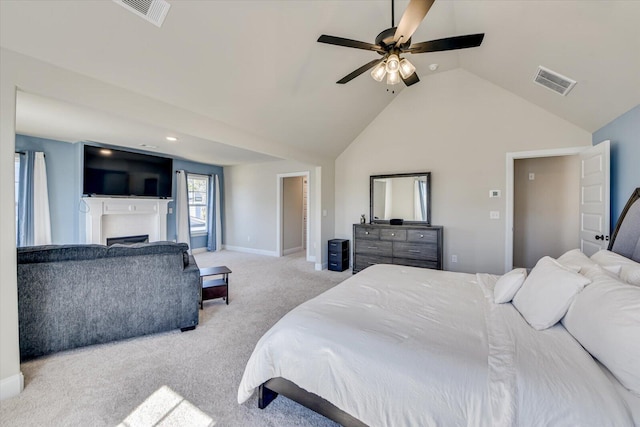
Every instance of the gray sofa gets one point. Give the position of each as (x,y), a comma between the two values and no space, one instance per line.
(76,295)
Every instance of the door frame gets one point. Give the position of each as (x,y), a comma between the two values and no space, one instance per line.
(509,193)
(280,215)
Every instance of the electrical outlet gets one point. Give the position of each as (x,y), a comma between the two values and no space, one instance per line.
(494,215)
(494,193)
(532,176)
(454,258)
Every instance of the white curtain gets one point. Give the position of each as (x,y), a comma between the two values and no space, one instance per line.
(182,209)
(41,216)
(218,214)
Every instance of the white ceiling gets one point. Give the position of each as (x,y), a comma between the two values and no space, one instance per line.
(256,65)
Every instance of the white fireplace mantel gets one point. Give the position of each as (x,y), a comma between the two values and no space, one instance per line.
(108,217)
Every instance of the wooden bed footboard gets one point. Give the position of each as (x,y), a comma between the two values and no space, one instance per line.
(269,390)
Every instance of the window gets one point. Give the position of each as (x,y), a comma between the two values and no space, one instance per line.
(198,186)
(17,182)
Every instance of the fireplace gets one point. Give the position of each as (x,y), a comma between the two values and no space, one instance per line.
(108,218)
(128,240)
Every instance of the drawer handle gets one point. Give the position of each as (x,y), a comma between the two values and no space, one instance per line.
(421,236)
(366,232)
(372,247)
(332,254)
(393,234)
(414,251)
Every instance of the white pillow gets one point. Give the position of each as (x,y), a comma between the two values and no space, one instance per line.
(605,319)
(575,260)
(508,284)
(547,293)
(629,269)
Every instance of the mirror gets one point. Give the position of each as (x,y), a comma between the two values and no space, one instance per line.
(406,196)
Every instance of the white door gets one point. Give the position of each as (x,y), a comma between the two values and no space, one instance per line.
(594,198)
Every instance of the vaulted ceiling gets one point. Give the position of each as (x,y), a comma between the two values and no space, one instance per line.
(256,65)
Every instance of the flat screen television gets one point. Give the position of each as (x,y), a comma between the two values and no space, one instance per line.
(109,172)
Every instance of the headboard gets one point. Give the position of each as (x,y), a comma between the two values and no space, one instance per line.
(626,237)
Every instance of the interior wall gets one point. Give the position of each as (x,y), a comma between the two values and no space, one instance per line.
(292,214)
(251,204)
(624,134)
(545,209)
(11,381)
(459,127)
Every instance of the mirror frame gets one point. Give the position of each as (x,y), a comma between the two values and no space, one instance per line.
(372,178)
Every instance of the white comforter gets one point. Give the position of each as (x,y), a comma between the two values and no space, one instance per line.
(403,346)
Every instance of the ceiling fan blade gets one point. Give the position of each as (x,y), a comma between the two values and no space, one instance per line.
(359,71)
(411,18)
(411,80)
(450,43)
(339,41)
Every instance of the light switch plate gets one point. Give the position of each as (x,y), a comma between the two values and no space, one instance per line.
(494,193)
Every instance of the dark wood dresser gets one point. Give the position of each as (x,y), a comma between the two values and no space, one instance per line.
(413,245)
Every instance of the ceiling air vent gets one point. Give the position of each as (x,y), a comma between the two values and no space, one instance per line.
(153,11)
(554,81)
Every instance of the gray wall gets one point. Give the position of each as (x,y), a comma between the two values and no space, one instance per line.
(624,134)
(545,210)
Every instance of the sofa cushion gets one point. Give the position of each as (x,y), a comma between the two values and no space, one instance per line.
(56,253)
(153,248)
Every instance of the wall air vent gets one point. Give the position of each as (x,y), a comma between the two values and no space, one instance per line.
(153,11)
(554,81)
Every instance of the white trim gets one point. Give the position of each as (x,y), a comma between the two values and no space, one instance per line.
(250,250)
(279,214)
(198,250)
(511,157)
(292,250)
(321,266)
(11,386)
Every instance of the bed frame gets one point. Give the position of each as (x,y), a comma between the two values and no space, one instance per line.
(625,239)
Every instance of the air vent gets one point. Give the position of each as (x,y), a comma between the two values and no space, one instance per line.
(153,11)
(554,81)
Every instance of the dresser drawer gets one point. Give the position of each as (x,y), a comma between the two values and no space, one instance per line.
(416,263)
(423,236)
(339,265)
(393,235)
(364,232)
(415,251)
(339,257)
(373,247)
(338,245)
(364,261)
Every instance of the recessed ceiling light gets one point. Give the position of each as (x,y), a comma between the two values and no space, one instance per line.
(433,67)
(172,138)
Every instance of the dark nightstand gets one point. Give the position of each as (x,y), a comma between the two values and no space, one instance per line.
(338,254)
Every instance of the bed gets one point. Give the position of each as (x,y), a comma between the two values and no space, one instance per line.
(396,345)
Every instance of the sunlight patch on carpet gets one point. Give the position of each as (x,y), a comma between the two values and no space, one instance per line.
(166,408)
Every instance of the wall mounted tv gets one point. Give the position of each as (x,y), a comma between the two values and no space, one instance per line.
(109,172)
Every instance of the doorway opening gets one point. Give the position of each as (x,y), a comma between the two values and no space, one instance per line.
(524,237)
(293,213)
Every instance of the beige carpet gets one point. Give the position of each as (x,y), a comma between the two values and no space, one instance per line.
(103,385)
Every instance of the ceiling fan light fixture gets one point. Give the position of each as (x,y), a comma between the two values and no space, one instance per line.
(379,71)
(393,78)
(393,63)
(406,68)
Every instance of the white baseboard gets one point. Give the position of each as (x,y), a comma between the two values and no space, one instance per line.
(198,250)
(250,250)
(292,250)
(11,386)
(321,266)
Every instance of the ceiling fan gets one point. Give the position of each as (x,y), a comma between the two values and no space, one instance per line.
(395,41)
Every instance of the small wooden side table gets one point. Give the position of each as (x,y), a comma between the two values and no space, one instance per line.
(214,288)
